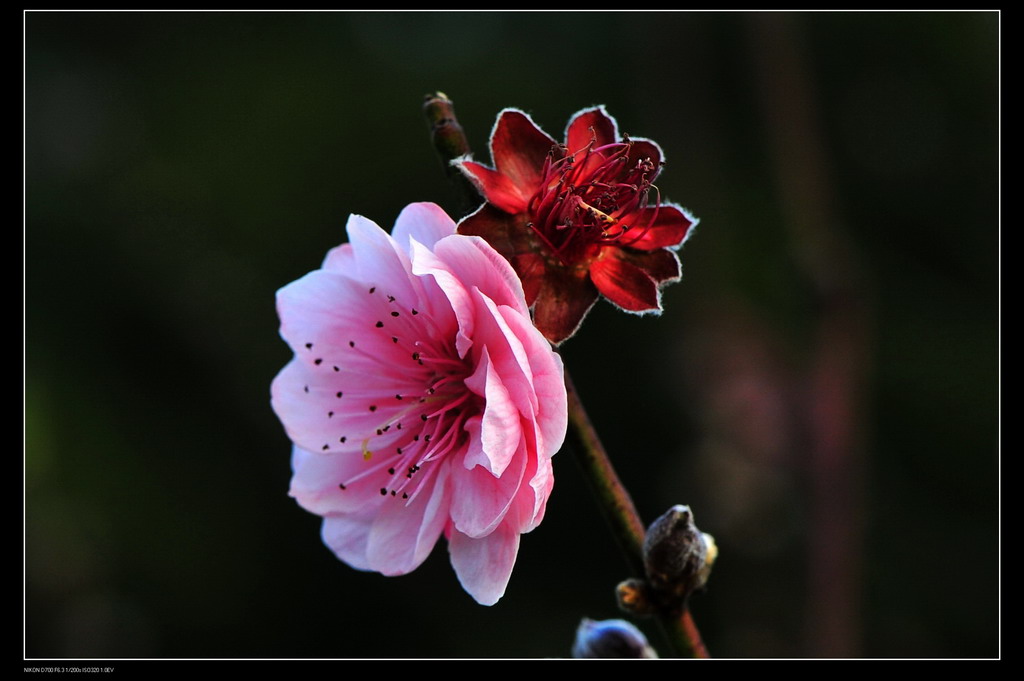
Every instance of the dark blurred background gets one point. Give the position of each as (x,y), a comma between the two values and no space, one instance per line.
(822,388)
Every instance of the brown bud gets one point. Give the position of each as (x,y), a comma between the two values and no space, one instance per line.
(633,597)
(677,556)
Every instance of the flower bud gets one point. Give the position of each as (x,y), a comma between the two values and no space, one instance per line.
(610,639)
(677,556)
(633,597)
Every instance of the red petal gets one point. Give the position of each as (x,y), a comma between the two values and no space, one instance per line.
(646,149)
(519,149)
(669,230)
(578,134)
(624,284)
(496,188)
(662,265)
(564,299)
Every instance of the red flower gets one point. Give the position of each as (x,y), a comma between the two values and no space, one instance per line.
(577,220)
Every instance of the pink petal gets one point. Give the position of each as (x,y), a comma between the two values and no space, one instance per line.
(404,533)
(317,476)
(484,565)
(578,132)
(427,223)
(425,263)
(527,508)
(624,284)
(381,261)
(506,352)
(340,259)
(481,499)
(500,428)
(473,260)
(548,383)
(519,149)
(347,536)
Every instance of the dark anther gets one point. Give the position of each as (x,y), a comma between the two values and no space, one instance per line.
(398,397)
(423,417)
(330,414)
(337,369)
(379,325)
(393,493)
(325,447)
(372,289)
(309,346)
(342,439)
(394,313)
(391,471)
(394,339)
(405,495)
(383,492)
(338,394)
(305,388)
(391,299)
(415,311)
(373,407)
(351,344)
(380,432)
(318,361)
(341,485)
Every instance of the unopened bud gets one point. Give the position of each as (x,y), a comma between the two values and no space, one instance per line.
(677,556)
(632,596)
(610,639)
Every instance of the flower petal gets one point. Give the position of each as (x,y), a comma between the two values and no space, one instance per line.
(499,190)
(500,430)
(578,132)
(427,223)
(380,261)
(510,236)
(643,149)
(347,535)
(547,379)
(317,478)
(670,228)
(484,565)
(481,499)
(625,284)
(471,259)
(661,265)
(519,149)
(403,533)
(563,300)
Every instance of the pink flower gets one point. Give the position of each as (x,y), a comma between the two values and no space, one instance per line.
(421,400)
(577,220)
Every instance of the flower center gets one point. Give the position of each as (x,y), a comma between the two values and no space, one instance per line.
(593,196)
(426,419)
